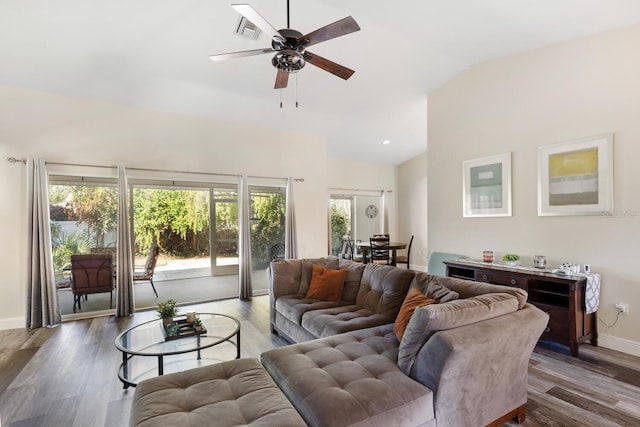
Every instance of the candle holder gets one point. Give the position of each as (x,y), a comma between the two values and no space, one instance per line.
(540,261)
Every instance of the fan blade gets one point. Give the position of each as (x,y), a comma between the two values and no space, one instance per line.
(252,15)
(330,66)
(230,55)
(282,78)
(339,28)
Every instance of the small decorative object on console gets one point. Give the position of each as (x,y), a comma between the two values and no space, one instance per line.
(487,256)
(539,261)
(511,259)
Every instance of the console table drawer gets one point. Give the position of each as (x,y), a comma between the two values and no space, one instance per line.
(501,279)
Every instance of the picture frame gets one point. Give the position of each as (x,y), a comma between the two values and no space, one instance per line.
(487,186)
(575,177)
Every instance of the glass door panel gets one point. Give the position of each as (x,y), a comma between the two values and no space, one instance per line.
(340,222)
(83,218)
(225,236)
(177,219)
(268,216)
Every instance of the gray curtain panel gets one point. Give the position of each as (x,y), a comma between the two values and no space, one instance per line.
(385,213)
(125,304)
(42,296)
(290,236)
(246,288)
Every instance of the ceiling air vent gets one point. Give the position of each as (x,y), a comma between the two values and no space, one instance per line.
(247,29)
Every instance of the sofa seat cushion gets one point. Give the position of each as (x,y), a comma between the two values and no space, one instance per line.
(337,320)
(293,307)
(238,392)
(350,379)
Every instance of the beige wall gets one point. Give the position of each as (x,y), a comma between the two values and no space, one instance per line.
(61,129)
(516,104)
(413,212)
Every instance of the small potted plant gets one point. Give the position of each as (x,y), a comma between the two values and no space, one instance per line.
(511,259)
(166,311)
(197,324)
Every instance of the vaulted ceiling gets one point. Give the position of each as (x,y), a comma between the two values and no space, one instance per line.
(154,54)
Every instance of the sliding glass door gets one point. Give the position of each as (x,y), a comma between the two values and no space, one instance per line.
(354,216)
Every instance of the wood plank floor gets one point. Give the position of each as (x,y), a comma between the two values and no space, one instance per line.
(67,376)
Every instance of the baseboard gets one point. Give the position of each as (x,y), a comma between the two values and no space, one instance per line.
(12,323)
(422,268)
(619,344)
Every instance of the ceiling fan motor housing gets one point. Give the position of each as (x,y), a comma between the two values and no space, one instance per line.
(289,52)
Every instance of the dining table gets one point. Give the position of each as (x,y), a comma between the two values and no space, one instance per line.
(393,247)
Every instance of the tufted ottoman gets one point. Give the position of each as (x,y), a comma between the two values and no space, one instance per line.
(350,379)
(233,393)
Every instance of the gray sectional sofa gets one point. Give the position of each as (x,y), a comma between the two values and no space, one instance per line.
(461,362)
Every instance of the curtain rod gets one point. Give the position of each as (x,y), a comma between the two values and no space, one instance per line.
(360,189)
(15,160)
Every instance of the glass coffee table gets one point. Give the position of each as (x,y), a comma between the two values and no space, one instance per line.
(148,339)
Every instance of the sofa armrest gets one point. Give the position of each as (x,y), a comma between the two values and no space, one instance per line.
(478,372)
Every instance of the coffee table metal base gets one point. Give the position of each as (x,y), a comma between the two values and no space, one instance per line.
(127,355)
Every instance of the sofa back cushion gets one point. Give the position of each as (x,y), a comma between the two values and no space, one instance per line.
(383,289)
(467,288)
(352,282)
(430,319)
(307,270)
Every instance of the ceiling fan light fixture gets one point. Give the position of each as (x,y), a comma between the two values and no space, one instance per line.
(288,60)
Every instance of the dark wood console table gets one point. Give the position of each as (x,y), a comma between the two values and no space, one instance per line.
(562,297)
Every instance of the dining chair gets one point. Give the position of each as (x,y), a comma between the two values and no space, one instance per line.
(379,250)
(277,251)
(91,274)
(405,259)
(149,267)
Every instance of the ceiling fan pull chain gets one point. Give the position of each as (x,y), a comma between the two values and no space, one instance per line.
(280,98)
(296,90)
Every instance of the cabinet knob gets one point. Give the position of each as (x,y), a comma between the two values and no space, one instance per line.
(484,277)
(513,281)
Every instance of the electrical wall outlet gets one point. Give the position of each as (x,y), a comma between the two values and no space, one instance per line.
(623,307)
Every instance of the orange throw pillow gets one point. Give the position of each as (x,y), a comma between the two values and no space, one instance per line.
(414,299)
(326,284)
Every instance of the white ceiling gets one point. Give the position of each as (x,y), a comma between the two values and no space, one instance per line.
(154,54)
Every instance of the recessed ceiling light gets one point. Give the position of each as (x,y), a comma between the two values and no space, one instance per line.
(386,142)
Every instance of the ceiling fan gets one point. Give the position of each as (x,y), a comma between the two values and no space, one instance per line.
(290,45)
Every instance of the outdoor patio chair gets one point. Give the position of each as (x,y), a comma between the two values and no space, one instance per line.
(277,251)
(149,267)
(91,274)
